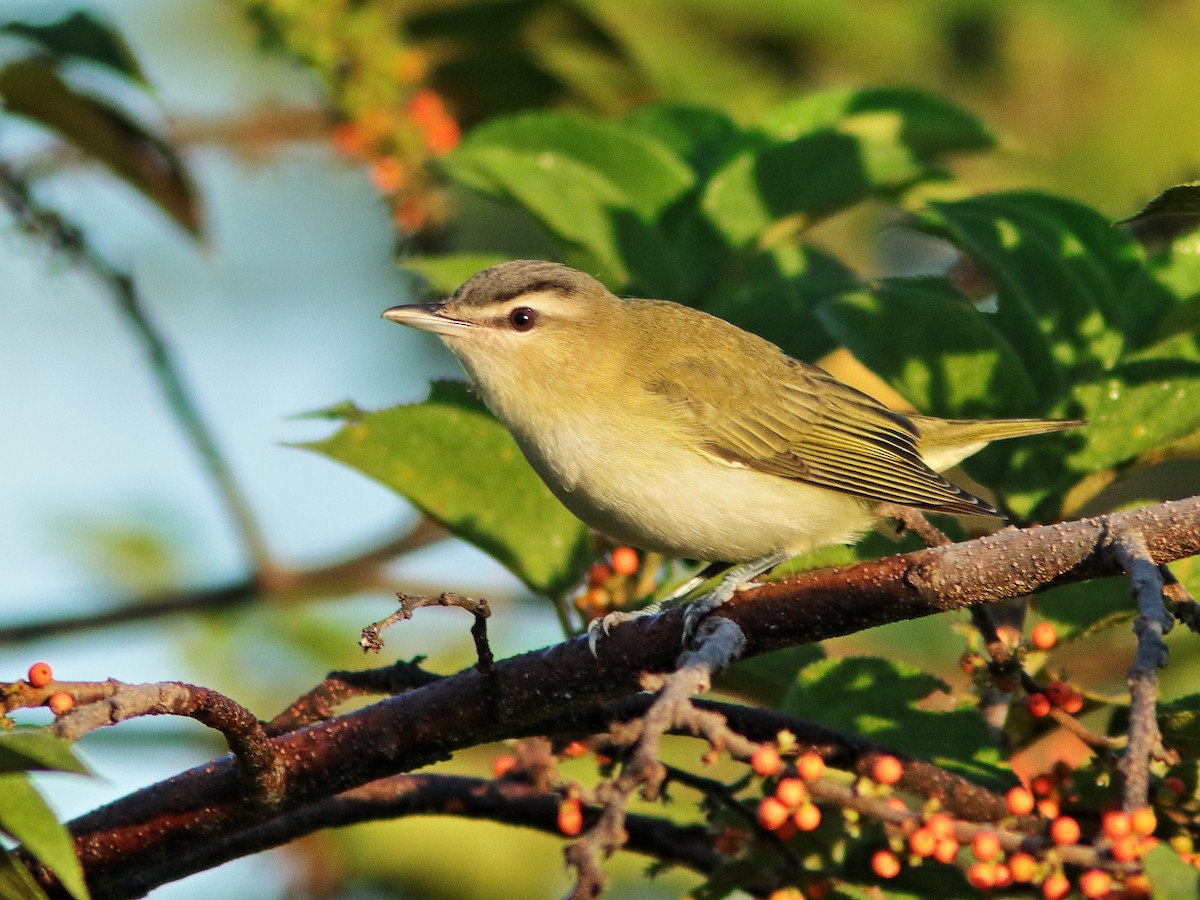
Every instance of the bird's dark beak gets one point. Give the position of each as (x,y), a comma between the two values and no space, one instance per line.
(427,317)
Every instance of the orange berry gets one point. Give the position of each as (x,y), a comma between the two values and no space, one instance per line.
(897,804)
(1022,867)
(388,174)
(1042,786)
(1048,808)
(885,864)
(807,817)
(922,842)
(941,825)
(1020,801)
(1044,636)
(1064,831)
(1056,886)
(1057,692)
(1143,821)
(765,761)
(503,764)
(598,575)
(811,766)
(425,106)
(442,136)
(946,850)
(1116,824)
(574,750)
(1038,705)
(1138,887)
(791,792)
(570,817)
(985,846)
(1095,883)
(772,813)
(60,703)
(411,214)
(1003,875)
(886,770)
(624,560)
(982,876)
(349,139)
(1074,703)
(40,674)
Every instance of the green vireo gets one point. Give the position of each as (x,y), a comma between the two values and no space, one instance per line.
(675,431)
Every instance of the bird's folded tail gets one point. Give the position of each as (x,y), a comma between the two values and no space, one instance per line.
(946,442)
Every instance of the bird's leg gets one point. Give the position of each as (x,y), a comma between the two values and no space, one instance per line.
(733,580)
(600,627)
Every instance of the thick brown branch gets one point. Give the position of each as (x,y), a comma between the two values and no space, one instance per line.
(525,691)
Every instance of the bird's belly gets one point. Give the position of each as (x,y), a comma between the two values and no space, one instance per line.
(684,504)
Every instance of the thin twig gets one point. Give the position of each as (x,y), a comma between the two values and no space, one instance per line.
(371,640)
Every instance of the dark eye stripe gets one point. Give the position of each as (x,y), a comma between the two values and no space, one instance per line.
(522,318)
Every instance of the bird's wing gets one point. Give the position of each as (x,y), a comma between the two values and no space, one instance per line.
(805,425)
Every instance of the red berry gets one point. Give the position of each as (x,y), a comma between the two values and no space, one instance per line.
(1058,692)
(1116,824)
(1043,786)
(1020,801)
(885,864)
(624,561)
(570,817)
(1064,831)
(1175,785)
(1003,875)
(946,850)
(765,761)
(791,792)
(807,817)
(982,876)
(1056,886)
(503,764)
(985,846)
(1044,636)
(1143,821)
(811,766)
(598,575)
(772,813)
(40,674)
(1074,703)
(1038,705)
(922,842)
(1095,883)
(1126,849)
(941,824)
(1022,867)
(886,770)
(60,703)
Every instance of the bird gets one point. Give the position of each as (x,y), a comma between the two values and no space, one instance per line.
(677,432)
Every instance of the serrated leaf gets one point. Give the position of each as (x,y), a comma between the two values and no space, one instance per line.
(1138,405)
(16,883)
(877,699)
(82,36)
(27,750)
(445,273)
(453,460)
(33,88)
(26,818)
(925,340)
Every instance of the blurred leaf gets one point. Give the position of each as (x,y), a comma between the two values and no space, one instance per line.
(1140,404)
(925,340)
(33,88)
(877,699)
(699,135)
(1170,875)
(1085,608)
(82,36)
(444,274)
(830,151)
(1180,200)
(1072,291)
(766,679)
(1179,721)
(36,749)
(25,817)
(924,123)
(15,881)
(461,467)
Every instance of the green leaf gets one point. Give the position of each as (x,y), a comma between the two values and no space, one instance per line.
(1140,404)
(925,340)
(878,699)
(1071,290)
(25,817)
(444,274)
(1170,875)
(35,749)
(16,883)
(1078,610)
(82,36)
(1180,200)
(453,460)
(33,88)
(700,136)
(1179,721)
(644,171)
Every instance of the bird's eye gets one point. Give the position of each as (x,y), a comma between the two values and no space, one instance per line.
(522,318)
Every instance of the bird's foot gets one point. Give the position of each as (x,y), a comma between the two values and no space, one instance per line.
(598,628)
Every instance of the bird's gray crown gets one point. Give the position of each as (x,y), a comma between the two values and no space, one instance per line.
(522,276)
